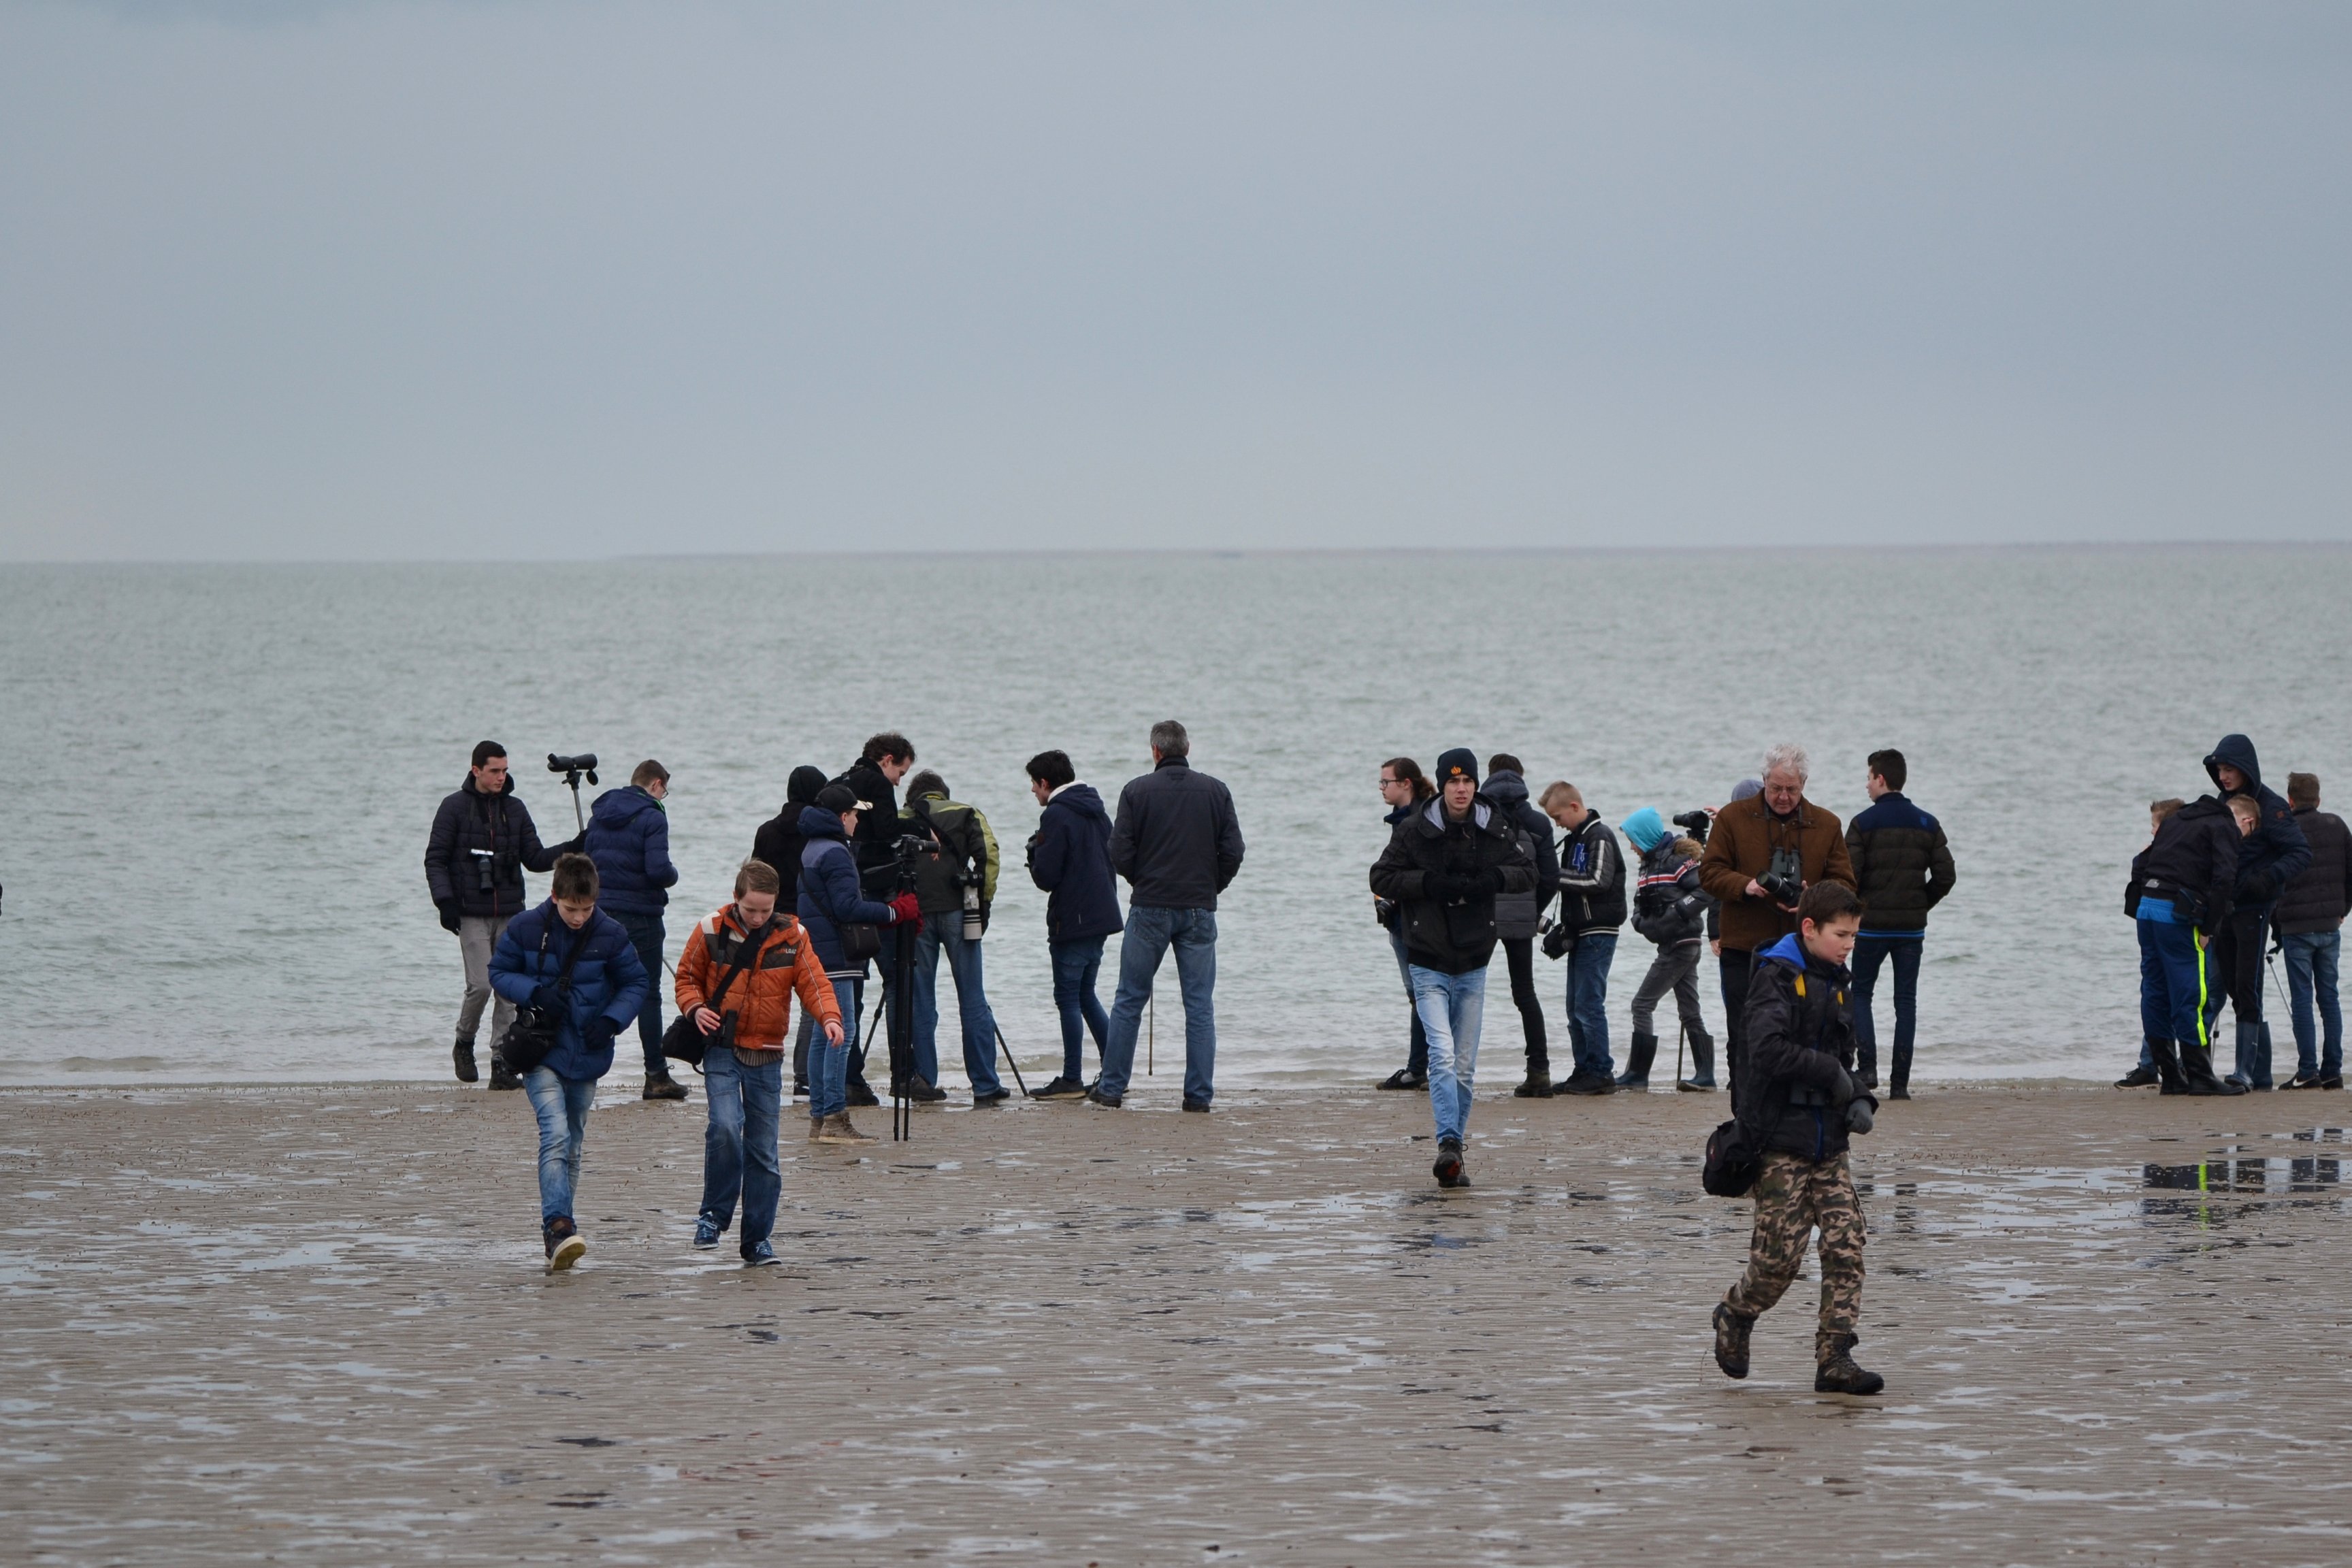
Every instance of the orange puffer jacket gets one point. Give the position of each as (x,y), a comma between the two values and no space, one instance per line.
(762,996)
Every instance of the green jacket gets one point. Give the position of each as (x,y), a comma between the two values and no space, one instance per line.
(967,842)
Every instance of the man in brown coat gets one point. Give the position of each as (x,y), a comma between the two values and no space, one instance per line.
(1760,854)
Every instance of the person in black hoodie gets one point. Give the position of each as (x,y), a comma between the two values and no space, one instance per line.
(1800,1105)
(1519,916)
(1407,790)
(2310,924)
(1443,869)
(1069,859)
(780,835)
(2268,860)
(874,778)
(2179,896)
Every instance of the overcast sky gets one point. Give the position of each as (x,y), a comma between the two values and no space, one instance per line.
(517,280)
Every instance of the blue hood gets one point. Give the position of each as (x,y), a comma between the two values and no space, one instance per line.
(818,823)
(617,807)
(1645,827)
(2239,753)
(1082,799)
(1790,951)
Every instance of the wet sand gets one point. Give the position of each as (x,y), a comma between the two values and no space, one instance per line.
(311,1324)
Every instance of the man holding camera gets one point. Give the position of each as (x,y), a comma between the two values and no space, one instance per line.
(1764,852)
(628,837)
(483,840)
(873,781)
(954,889)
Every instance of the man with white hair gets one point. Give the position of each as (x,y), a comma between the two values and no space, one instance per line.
(1762,853)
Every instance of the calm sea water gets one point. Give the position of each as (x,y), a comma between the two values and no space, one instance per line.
(220,778)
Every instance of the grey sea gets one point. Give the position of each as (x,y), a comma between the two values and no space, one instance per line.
(220,777)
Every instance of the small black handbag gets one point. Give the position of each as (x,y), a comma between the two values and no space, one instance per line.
(683,1041)
(1733,1161)
(533,1037)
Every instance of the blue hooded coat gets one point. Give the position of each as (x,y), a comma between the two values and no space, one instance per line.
(609,980)
(1070,860)
(628,837)
(2276,852)
(830,894)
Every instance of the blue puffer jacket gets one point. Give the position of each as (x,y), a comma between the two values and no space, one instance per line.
(830,897)
(609,980)
(2276,853)
(1070,860)
(628,837)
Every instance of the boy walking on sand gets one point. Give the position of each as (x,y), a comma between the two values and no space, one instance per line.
(1800,1105)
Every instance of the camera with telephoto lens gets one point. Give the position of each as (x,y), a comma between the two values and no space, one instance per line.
(1696,824)
(1785,881)
(586,762)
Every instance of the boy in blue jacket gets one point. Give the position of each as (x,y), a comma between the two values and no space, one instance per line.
(607,987)
(1069,859)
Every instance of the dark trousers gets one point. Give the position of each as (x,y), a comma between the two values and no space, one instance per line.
(1869,953)
(1076,965)
(1735,964)
(1416,1056)
(1519,952)
(2236,963)
(645,935)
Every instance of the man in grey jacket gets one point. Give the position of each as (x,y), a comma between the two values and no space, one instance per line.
(1178,844)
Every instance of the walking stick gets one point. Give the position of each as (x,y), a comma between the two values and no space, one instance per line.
(1008,1058)
(1150,1030)
(1682,1033)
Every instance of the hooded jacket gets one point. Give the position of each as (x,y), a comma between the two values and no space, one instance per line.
(1454,935)
(608,981)
(1069,859)
(1176,840)
(475,834)
(2320,898)
(761,997)
(965,841)
(877,866)
(1739,850)
(1516,915)
(1800,1028)
(2189,871)
(1669,906)
(628,837)
(778,841)
(1591,880)
(830,896)
(1902,867)
(2276,852)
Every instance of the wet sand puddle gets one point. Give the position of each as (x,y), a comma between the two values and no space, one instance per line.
(312,1325)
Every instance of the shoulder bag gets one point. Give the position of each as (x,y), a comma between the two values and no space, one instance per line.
(684,1040)
(532,1038)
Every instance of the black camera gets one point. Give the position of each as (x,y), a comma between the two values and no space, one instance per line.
(586,762)
(1785,881)
(1696,824)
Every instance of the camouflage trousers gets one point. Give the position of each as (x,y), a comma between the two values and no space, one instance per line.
(1792,1196)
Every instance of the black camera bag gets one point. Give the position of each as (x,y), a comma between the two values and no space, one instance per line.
(860,939)
(1733,1161)
(683,1041)
(533,1037)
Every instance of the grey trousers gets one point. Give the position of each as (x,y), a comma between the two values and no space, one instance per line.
(1675,969)
(476,935)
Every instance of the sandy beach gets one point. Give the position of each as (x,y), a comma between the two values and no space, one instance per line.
(311,1324)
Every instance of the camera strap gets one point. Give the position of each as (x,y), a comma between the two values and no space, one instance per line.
(747,953)
(564,976)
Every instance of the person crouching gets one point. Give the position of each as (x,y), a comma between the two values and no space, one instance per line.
(1442,867)
(567,956)
(771,957)
(1801,1103)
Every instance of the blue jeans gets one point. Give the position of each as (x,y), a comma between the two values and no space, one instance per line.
(1451,1007)
(2311,961)
(1416,1058)
(1150,932)
(645,935)
(829,1063)
(945,933)
(1869,952)
(739,1145)
(561,1106)
(1588,958)
(1076,964)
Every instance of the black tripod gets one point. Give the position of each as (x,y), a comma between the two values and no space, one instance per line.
(899,997)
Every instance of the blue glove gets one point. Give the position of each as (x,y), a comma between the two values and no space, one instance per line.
(599,1032)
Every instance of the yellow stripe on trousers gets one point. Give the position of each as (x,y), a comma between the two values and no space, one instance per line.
(2204,1036)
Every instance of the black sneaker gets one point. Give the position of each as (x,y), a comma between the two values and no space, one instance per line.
(1588,1083)
(859,1093)
(1448,1169)
(800,1089)
(1837,1372)
(1200,1105)
(1538,1086)
(1108,1101)
(761,1257)
(661,1086)
(1403,1077)
(2138,1078)
(918,1090)
(563,1244)
(463,1057)
(1062,1088)
(994,1097)
(2332,1080)
(1731,1339)
(500,1076)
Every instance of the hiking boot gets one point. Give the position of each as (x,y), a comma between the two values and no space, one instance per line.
(1583,1082)
(761,1257)
(1638,1057)
(838,1129)
(919,1090)
(500,1076)
(563,1244)
(1837,1372)
(706,1231)
(817,1129)
(2138,1078)
(1108,1101)
(1731,1339)
(1448,1169)
(1538,1086)
(994,1097)
(661,1086)
(857,1094)
(463,1056)
(1403,1077)
(1062,1088)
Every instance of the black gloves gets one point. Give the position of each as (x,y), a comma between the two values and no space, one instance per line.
(1555,941)
(1491,878)
(1860,1111)
(1443,886)
(545,996)
(450,919)
(599,1032)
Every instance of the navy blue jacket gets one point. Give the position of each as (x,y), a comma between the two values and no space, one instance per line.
(1902,866)
(628,837)
(830,896)
(609,981)
(2188,869)
(2276,853)
(1070,860)
(1801,1050)
(1176,841)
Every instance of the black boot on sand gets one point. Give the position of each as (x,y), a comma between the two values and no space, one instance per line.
(1837,1374)
(500,1076)
(2197,1072)
(1449,1170)
(1731,1339)
(2167,1068)
(1638,1057)
(661,1086)
(1538,1086)
(463,1056)
(1702,1078)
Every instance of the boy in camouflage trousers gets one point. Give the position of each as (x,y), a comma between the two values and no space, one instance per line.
(1804,1105)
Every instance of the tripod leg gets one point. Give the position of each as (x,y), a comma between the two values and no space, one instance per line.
(1011,1063)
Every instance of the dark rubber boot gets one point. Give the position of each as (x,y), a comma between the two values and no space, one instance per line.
(1638,1057)
(463,1056)
(1702,1050)
(2262,1077)
(1837,1372)
(2197,1072)
(2168,1066)
(1731,1339)
(1538,1085)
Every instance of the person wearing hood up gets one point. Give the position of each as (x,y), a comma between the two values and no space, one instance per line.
(2268,860)
(628,837)
(1670,908)
(1069,859)
(1519,916)
(831,901)
(778,844)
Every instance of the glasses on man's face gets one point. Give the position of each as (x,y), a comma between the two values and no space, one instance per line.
(1387,783)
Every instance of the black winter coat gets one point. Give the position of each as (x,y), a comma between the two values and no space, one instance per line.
(1455,935)
(2276,853)
(2321,897)
(1800,1026)
(2191,864)
(878,829)
(1516,915)
(1069,859)
(778,841)
(1902,867)
(1669,906)
(1591,879)
(1177,840)
(479,848)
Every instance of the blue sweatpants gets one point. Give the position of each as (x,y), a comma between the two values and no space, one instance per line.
(2172,983)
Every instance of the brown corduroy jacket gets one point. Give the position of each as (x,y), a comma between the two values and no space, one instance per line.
(1739,849)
